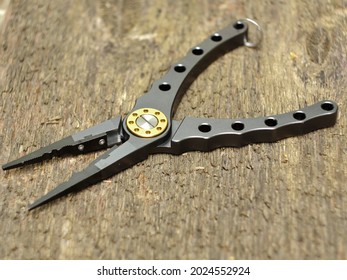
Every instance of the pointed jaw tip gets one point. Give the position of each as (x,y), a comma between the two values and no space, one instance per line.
(31,207)
(11,165)
(6,166)
(35,205)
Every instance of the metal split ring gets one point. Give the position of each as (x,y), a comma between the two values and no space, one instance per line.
(248,43)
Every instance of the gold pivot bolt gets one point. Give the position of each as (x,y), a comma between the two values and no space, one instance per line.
(147,122)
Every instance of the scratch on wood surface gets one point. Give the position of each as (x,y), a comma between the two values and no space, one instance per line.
(141,37)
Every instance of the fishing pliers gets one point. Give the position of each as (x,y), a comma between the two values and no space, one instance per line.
(149,128)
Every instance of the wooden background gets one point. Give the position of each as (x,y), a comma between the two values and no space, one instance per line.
(66,65)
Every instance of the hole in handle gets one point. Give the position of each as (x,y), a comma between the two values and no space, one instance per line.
(271,122)
(205,127)
(327,106)
(299,116)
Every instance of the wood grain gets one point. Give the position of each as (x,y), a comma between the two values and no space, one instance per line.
(66,65)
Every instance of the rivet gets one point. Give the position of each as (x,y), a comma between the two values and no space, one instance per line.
(147,122)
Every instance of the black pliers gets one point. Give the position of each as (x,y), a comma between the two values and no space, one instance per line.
(149,127)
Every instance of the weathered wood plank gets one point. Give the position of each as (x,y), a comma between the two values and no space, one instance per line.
(65,65)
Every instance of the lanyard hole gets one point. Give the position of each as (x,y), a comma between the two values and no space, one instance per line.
(239,25)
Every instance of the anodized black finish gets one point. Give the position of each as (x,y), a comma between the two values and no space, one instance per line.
(180,136)
(206,134)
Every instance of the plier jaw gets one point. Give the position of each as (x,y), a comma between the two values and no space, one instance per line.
(149,128)
(100,136)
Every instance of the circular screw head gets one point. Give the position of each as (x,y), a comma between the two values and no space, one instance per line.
(147,122)
(102,142)
(80,147)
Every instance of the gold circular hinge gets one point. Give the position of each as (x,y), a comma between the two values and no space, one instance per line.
(147,122)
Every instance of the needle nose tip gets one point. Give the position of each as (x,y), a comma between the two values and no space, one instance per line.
(12,164)
(6,166)
(34,205)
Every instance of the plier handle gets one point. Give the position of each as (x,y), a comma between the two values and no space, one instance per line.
(149,128)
